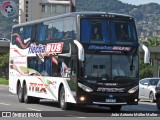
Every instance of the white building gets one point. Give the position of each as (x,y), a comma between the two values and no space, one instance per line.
(37,9)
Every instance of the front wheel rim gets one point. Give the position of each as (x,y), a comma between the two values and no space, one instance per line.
(19,92)
(62,99)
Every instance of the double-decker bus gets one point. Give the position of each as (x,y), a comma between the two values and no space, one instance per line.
(72,59)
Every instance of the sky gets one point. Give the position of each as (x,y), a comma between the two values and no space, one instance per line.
(138,2)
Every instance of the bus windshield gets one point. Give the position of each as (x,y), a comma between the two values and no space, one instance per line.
(100,66)
(97,31)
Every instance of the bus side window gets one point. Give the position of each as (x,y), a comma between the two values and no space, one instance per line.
(40,66)
(32,63)
(27,34)
(59,26)
(33,34)
(41,36)
(48,66)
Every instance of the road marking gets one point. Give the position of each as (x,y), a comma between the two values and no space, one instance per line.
(71,116)
(75,116)
(34,109)
(11,95)
(81,117)
(4,104)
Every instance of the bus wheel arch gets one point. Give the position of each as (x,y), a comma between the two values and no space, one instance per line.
(20,92)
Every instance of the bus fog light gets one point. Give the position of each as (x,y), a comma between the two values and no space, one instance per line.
(82,98)
(135,100)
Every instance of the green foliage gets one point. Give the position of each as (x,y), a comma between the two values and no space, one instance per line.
(152,41)
(4,60)
(145,70)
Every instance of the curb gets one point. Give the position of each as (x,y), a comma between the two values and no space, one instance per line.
(4,85)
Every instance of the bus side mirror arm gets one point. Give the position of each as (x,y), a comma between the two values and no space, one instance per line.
(80,50)
(146,53)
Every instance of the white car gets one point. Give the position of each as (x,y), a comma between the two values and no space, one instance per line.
(4,39)
(147,89)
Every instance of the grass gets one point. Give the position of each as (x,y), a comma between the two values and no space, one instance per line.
(3,81)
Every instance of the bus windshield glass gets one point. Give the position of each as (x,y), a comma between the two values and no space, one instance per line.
(97,31)
(100,66)
(125,66)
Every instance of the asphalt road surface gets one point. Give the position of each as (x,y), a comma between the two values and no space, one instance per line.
(9,103)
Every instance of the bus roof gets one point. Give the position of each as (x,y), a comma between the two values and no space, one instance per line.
(91,13)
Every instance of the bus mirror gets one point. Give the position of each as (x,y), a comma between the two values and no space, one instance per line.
(80,50)
(146,53)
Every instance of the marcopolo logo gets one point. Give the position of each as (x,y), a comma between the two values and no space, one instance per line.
(9,8)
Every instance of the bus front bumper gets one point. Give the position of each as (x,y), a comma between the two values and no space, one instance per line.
(97,98)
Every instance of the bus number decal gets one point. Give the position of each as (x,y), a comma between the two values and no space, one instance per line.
(54,48)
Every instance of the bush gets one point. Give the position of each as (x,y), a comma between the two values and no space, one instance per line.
(145,70)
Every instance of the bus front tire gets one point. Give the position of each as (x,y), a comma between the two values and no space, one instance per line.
(20,93)
(158,102)
(64,105)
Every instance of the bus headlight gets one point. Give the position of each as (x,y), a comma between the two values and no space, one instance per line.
(85,88)
(133,90)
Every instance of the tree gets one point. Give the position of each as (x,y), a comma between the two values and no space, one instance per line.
(152,41)
(4,64)
(145,70)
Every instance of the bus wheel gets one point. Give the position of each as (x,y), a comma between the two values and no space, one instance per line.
(27,99)
(158,103)
(116,107)
(20,93)
(63,105)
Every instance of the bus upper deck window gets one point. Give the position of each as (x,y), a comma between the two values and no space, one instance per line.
(121,32)
(96,31)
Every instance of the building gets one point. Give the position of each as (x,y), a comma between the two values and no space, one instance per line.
(37,9)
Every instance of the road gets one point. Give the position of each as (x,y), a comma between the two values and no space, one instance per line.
(9,102)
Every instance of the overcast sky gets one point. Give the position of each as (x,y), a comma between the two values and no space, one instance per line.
(138,2)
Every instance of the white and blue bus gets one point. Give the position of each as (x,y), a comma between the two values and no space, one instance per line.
(71,59)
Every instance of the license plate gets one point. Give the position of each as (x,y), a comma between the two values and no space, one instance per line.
(111,100)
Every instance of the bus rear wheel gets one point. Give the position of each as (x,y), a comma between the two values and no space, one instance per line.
(27,99)
(20,93)
(64,105)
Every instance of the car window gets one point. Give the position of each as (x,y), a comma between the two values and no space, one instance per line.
(154,81)
(159,82)
(4,39)
(147,81)
(142,82)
